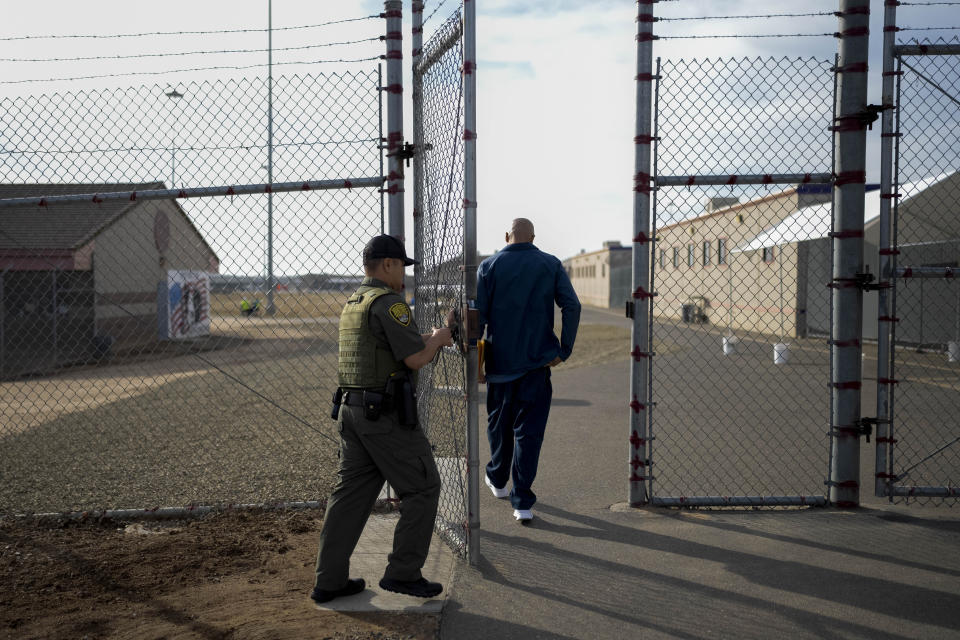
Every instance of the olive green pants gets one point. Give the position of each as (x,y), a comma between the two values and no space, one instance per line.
(372,451)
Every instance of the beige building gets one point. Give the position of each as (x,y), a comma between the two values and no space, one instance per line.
(78,279)
(602,278)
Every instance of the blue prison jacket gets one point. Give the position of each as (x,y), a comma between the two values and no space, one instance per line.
(516,291)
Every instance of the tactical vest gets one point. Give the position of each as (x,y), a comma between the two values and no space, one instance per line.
(365,362)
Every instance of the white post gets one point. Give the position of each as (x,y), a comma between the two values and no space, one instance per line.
(639,401)
(847,298)
(394,37)
(885,319)
(470,271)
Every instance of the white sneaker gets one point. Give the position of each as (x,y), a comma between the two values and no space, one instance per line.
(497,493)
(523,516)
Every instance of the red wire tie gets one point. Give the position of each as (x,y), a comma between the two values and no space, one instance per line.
(850,177)
(637,406)
(846,343)
(645,77)
(229,192)
(396,54)
(417,213)
(847,386)
(393,13)
(637,462)
(642,294)
(645,17)
(641,183)
(348,184)
(887,381)
(853,67)
(889,252)
(891,29)
(848,123)
(636,440)
(417,52)
(268,188)
(644,139)
(394,88)
(646,37)
(895,134)
(888,440)
(133,197)
(635,478)
(924,48)
(847,484)
(637,354)
(393,175)
(732,179)
(96,199)
(852,233)
(891,3)
(642,238)
(392,190)
(469,135)
(306,187)
(888,196)
(907,273)
(888,319)
(467,204)
(42,203)
(468,67)
(886,74)
(181,194)
(852,32)
(885,476)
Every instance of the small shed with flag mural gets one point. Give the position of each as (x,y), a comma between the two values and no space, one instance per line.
(79,281)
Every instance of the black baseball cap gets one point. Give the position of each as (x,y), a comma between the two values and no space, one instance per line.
(384,246)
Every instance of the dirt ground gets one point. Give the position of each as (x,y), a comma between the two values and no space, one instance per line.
(235,575)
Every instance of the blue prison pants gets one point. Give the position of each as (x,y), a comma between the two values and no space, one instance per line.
(517,413)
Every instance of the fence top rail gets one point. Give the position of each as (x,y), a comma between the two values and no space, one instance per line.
(766,178)
(438,45)
(193,192)
(926,50)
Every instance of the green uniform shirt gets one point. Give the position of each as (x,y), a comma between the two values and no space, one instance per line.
(391,322)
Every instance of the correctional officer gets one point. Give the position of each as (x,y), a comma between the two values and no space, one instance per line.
(380,349)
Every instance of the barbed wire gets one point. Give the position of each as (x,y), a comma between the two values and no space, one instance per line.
(189,53)
(754,35)
(160,73)
(928,28)
(432,13)
(744,17)
(930,4)
(184,33)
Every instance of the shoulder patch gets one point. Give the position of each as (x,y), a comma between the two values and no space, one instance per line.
(400,312)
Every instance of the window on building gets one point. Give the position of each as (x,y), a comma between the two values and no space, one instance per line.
(663,258)
(603,271)
(722,251)
(706,253)
(676,257)
(691,255)
(769,255)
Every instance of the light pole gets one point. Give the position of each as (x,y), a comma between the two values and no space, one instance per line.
(173,94)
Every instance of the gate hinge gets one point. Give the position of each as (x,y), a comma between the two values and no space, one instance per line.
(862,428)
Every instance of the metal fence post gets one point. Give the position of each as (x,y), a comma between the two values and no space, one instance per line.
(639,307)
(847,294)
(271,285)
(416,83)
(885,318)
(394,15)
(470,272)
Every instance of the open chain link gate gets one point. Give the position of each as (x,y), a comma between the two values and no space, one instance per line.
(445,245)
(918,443)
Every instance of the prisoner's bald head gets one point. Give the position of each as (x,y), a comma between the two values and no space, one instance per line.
(521,230)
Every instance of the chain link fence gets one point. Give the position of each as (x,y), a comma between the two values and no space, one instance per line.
(439,279)
(924,460)
(176,352)
(740,263)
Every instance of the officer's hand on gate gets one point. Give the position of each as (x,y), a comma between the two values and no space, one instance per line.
(444,336)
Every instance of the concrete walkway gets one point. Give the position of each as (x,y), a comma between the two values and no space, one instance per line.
(591,567)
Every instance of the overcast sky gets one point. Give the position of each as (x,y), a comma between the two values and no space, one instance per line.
(555,77)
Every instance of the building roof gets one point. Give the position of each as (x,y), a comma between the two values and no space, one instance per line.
(62,226)
(815,221)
